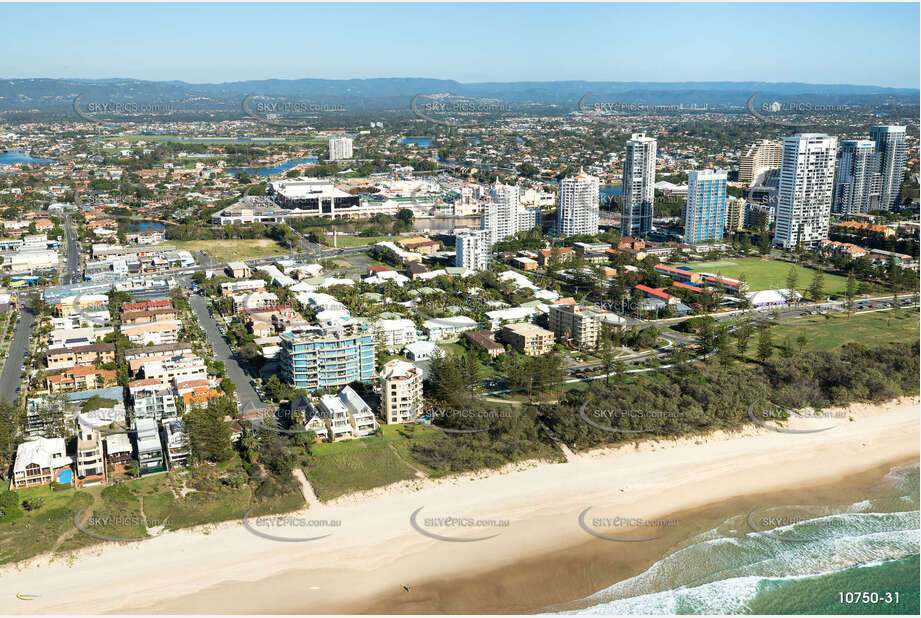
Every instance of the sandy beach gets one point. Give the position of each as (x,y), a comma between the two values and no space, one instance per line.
(538,553)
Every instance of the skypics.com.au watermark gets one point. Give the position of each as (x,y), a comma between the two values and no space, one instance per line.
(596,415)
(107,527)
(792,524)
(620,107)
(290,528)
(770,112)
(109,112)
(600,526)
(284,112)
(763,413)
(455,112)
(449,525)
(453,415)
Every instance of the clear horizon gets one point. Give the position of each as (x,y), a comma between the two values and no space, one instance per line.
(215,43)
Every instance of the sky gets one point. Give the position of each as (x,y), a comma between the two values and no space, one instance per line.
(826,43)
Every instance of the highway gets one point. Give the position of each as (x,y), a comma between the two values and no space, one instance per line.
(12,366)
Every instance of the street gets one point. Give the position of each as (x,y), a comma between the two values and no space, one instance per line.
(72,270)
(12,367)
(248,398)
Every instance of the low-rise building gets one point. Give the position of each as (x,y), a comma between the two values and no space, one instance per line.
(40,462)
(529,339)
(62,358)
(484,339)
(360,413)
(79,379)
(439,329)
(238,270)
(395,333)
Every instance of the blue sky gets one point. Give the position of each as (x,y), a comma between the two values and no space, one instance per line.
(870,44)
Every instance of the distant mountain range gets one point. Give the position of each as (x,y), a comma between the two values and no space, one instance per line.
(57,95)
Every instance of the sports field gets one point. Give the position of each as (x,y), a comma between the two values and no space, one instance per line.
(768,274)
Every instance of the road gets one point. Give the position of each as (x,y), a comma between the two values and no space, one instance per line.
(248,398)
(72,270)
(12,367)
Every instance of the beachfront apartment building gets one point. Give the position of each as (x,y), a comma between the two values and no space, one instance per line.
(579,208)
(91,465)
(401,392)
(639,179)
(574,324)
(333,353)
(148,449)
(705,211)
(176,442)
(360,413)
(304,411)
(804,196)
(337,418)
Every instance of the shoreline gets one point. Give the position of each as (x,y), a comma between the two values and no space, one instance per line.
(363,566)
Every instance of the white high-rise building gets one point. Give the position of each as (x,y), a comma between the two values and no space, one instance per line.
(504,215)
(578,211)
(473,249)
(500,214)
(340,147)
(857,185)
(804,197)
(638,186)
(890,148)
(705,214)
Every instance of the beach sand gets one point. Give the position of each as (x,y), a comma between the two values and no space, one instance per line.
(542,558)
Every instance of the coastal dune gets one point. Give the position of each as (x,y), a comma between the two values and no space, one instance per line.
(374,560)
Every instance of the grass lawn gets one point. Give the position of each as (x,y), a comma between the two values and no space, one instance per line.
(38,531)
(355,241)
(125,510)
(768,274)
(339,468)
(230,250)
(870,329)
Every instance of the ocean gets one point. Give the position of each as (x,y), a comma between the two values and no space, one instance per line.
(794,559)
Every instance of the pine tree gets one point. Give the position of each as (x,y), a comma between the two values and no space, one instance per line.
(765,343)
